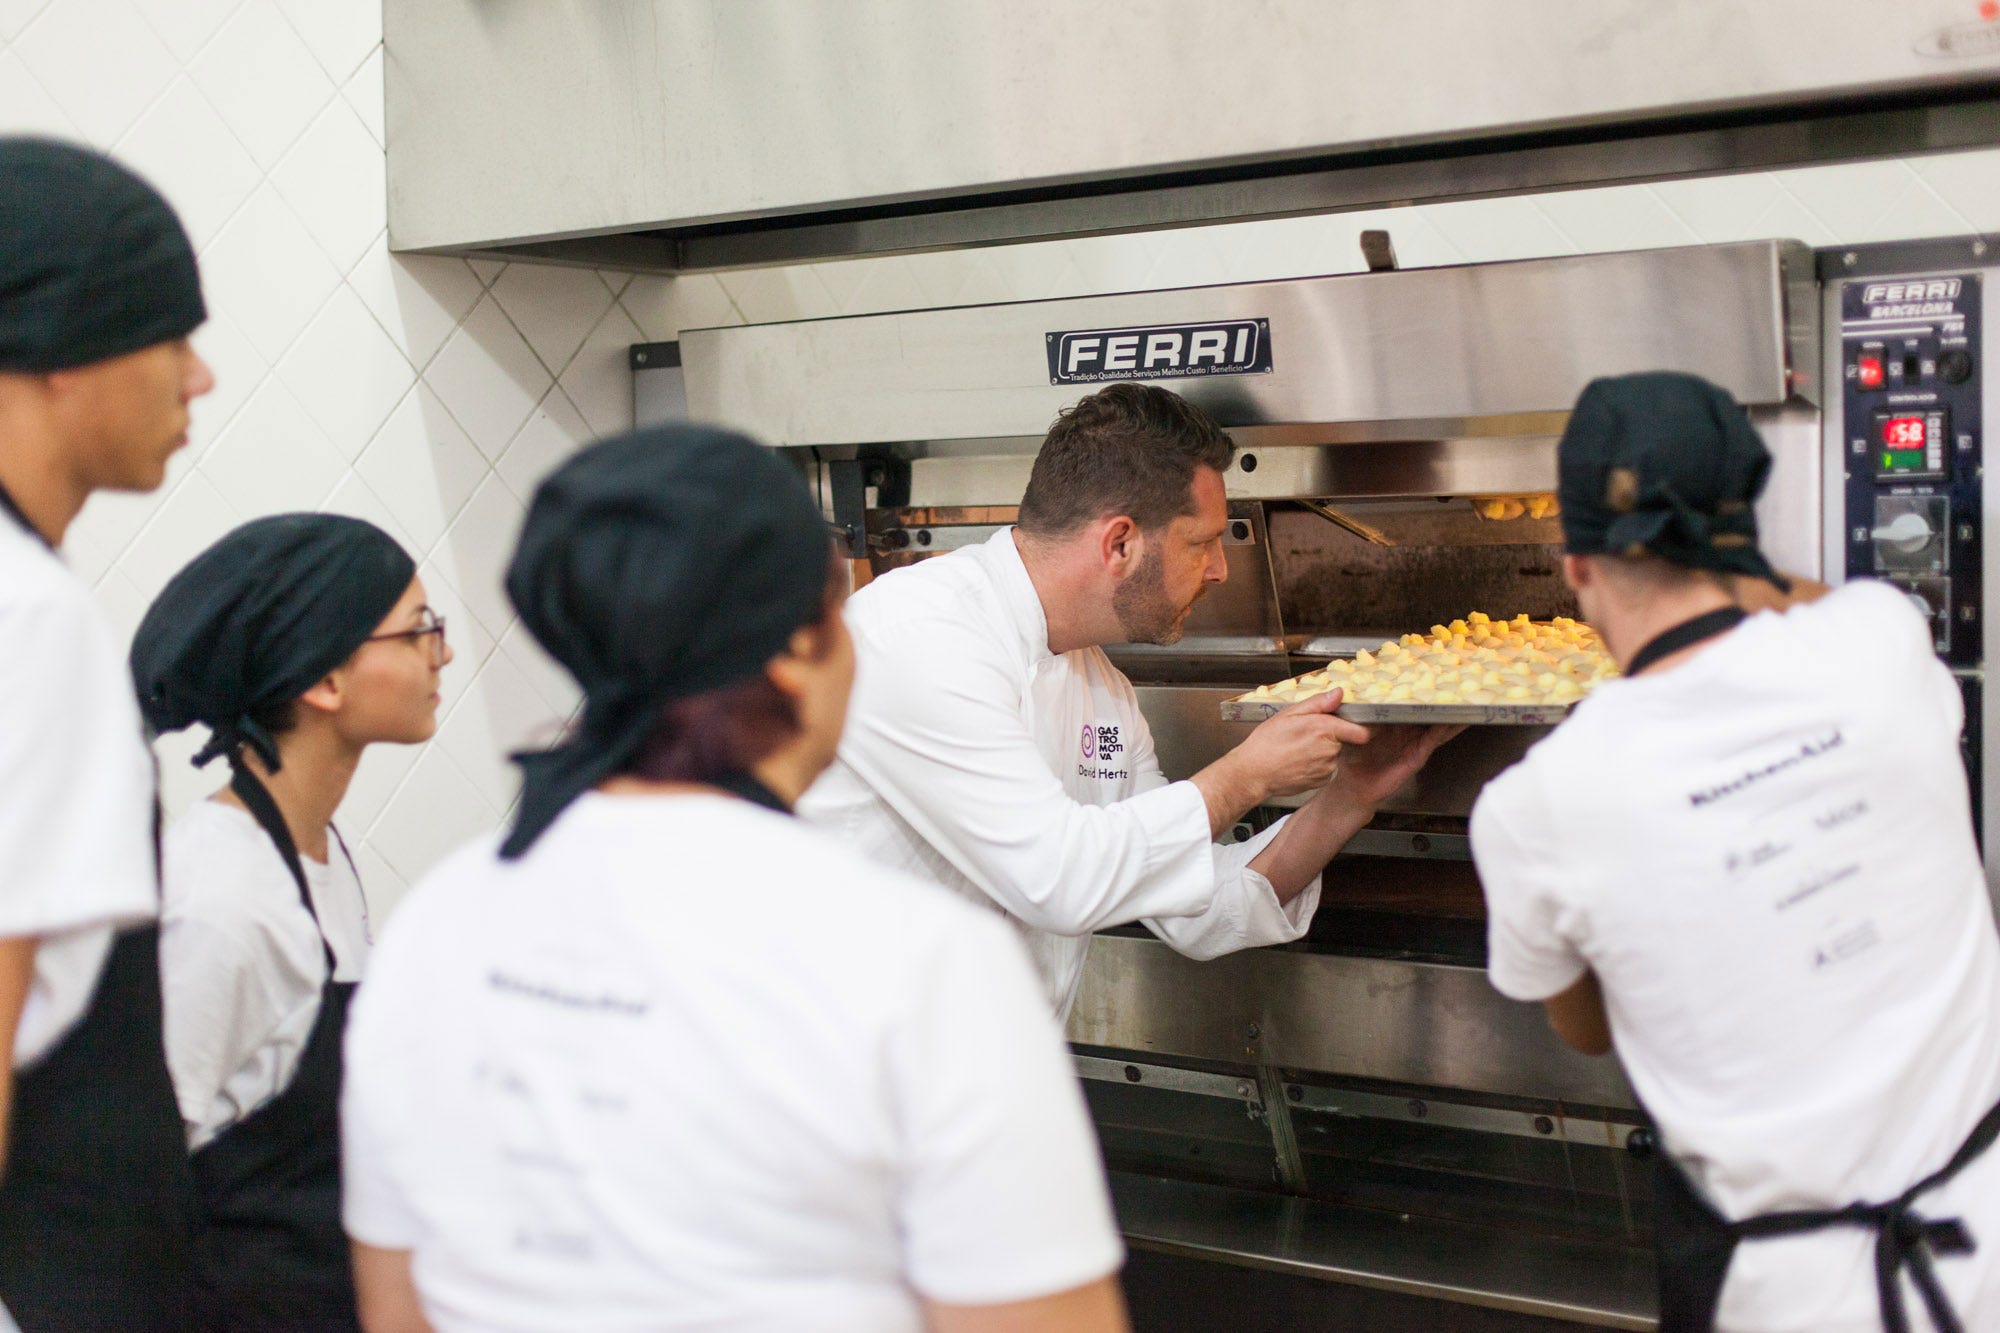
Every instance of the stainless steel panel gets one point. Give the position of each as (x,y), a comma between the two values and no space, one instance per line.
(1584,1131)
(1472,342)
(1422,1023)
(1189,731)
(1604,1286)
(1791,512)
(512,124)
(1229,1087)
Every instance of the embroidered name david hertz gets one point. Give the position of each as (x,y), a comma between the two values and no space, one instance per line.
(1809,750)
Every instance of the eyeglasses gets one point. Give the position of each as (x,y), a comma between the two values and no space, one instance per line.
(432,623)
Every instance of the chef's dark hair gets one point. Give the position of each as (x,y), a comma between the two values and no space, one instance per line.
(713,735)
(1129,449)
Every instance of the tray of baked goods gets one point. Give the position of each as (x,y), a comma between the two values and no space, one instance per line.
(1478,671)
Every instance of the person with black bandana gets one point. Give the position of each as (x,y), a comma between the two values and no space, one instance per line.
(1750,866)
(665,1057)
(298,641)
(98,294)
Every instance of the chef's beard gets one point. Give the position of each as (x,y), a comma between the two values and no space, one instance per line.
(1146,614)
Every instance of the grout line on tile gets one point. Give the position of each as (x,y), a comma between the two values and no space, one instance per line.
(338,79)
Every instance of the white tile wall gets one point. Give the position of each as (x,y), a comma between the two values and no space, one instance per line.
(429,395)
(399,390)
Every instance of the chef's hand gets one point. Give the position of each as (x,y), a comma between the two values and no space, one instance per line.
(1289,752)
(1384,759)
(1299,749)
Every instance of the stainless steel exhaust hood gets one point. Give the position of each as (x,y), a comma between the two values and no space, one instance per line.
(1484,349)
(693,134)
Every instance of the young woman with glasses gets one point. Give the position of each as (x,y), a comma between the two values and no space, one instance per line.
(298,641)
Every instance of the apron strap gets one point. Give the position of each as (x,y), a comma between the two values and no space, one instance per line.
(1904,1239)
(753,791)
(264,809)
(1686,635)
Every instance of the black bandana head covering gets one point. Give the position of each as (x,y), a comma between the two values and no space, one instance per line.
(656,565)
(257,619)
(1663,464)
(93,262)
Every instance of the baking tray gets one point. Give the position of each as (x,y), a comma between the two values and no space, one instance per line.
(1467,715)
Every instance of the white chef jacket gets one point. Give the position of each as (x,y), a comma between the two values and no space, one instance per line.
(76,788)
(1766,855)
(689,1064)
(241,968)
(1026,781)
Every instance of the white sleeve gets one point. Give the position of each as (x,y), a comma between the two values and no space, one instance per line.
(1529,955)
(75,838)
(1245,912)
(939,737)
(1003,1195)
(218,1008)
(374,1208)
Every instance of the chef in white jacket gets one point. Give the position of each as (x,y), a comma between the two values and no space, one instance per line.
(993,747)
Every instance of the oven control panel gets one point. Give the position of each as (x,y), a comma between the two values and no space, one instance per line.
(1911,390)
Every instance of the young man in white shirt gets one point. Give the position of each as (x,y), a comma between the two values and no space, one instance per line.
(1750,867)
(98,294)
(993,747)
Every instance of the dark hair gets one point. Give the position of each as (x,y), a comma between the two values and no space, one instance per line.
(708,736)
(1128,449)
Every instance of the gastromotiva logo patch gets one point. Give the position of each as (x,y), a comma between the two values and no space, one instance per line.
(1102,743)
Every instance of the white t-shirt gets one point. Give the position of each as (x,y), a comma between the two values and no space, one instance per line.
(241,966)
(1027,781)
(76,821)
(1766,856)
(691,1064)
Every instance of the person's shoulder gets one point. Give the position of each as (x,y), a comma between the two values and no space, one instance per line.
(35,584)
(1856,608)
(943,591)
(209,854)
(439,899)
(852,890)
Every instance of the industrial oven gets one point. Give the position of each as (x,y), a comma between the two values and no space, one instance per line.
(1361,1108)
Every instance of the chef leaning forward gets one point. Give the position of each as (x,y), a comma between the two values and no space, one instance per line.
(994,747)
(297,640)
(98,293)
(664,1057)
(1750,866)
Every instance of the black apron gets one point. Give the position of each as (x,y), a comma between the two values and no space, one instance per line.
(96,1201)
(1695,1242)
(271,1253)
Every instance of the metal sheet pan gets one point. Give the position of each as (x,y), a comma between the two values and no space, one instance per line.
(1471,715)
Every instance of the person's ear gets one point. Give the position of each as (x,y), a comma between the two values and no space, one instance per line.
(1578,572)
(1120,545)
(791,670)
(328,694)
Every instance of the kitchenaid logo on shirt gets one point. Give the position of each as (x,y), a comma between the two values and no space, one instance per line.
(1102,743)
(1807,752)
(1160,351)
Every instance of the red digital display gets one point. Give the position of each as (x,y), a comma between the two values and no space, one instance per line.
(1903,432)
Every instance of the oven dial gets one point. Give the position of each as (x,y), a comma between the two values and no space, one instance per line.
(1907,532)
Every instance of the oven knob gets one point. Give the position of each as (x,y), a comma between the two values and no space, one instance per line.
(1906,532)
(1924,608)
(1955,365)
